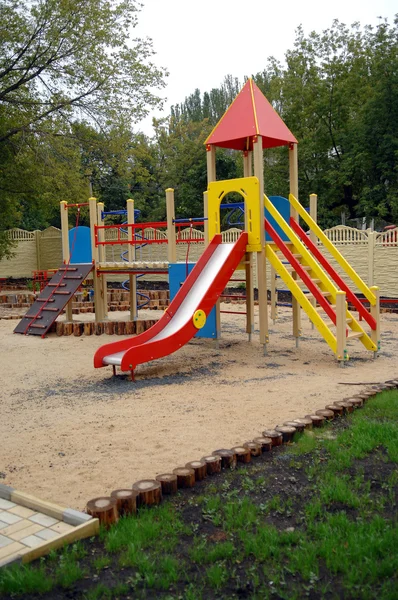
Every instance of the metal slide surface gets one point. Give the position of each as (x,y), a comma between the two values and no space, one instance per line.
(175,328)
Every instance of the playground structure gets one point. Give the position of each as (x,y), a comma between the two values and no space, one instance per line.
(272,235)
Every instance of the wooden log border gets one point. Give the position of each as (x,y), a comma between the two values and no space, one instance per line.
(225,459)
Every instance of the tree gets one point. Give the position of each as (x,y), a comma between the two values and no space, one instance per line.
(63,62)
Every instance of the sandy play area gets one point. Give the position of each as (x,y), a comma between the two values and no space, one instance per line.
(69,433)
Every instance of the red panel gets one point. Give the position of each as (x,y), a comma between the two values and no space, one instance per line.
(250,114)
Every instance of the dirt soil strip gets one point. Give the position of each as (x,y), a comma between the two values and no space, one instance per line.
(70,433)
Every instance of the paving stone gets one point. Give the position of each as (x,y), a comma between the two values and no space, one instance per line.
(42,519)
(47,534)
(9,518)
(16,527)
(23,533)
(22,511)
(75,517)
(13,548)
(5,491)
(3,524)
(6,504)
(31,541)
(4,541)
(62,527)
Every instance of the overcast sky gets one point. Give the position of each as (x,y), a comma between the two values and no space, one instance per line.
(201,42)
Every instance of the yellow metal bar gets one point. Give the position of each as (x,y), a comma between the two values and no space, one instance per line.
(302,299)
(361,285)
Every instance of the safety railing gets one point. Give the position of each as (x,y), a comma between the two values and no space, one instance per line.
(350,272)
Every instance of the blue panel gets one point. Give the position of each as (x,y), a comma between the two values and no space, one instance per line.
(282,205)
(81,245)
(177,276)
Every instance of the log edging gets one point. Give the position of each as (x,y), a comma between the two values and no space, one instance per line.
(225,459)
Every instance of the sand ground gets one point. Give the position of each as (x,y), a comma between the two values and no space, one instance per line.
(69,433)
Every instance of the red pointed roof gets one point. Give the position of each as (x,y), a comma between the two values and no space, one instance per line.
(250,114)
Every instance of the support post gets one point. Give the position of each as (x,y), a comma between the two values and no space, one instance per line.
(102,254)
(375,312)
(260,256)
(249,295)
(341,324)
(371,256)
(274,296)
(98,283)
(171,228)
(247,163)
(131,256)
(211,163)
(313,215)
(293,177)
(65,249)
(206,216)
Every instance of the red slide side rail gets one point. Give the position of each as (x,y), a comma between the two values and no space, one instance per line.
(351,297)
(301,272)
(138,351)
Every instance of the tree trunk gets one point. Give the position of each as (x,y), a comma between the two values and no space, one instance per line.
(104,509)
(287,433)
(213,464)
(254,447)
(149,492)
(68,328)
(338,410)
(59,328)
(121,328)
(200,468)
(168,481)
(228,458)
(299,427)
(99,328)
(264,442)
(109,327)
(243,454)
(130,327)
(88,328)
(328,414)
(126,501)
(185,477)
(356,402)
(317,420)
(347,407)
(306,421)
(276,436)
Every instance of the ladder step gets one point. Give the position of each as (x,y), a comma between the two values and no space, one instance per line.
(62,293)
(45,300)
(326,294)
(73,277)
(320,309)
(354,334)
(32,317)
(67,269)
(38,326)
(56,284)
(50,309)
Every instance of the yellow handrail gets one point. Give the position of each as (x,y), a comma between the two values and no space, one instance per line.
(361,285)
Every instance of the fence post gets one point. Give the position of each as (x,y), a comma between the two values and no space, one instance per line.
(371,256)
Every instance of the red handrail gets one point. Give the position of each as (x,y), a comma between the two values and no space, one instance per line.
(351,297)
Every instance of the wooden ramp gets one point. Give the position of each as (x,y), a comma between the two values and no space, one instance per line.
(53,299)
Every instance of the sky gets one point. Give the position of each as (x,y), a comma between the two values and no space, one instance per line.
(200,42)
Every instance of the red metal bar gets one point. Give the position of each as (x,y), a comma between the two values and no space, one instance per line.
(351,297)
(75,205)
(300,271)
(233,312)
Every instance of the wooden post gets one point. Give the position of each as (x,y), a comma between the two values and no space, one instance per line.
(371,254)
(341,324)
(211,163)
(293,176)
(375,312)
(249,295)
(98,288)
(212,176)
(206,216)
(274,296)
(313,215)
(65,249)
(102,254)
(131,257)
(247,163)
(171,228)
(260,256)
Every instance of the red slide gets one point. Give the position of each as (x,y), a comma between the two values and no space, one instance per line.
(175,328)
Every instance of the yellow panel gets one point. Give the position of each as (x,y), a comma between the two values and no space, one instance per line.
(249,189)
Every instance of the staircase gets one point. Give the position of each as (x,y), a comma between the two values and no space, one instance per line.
(300,264)
(53,299)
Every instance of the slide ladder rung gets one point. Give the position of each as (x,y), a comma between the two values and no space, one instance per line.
(355,334)
(62,293)
(320,308)
(49,308)
(57,284)
(38,326)
(45,300)
(67,269)
(73,277)
(32,317)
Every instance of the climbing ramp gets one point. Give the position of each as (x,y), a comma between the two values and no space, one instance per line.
(303,267)
(53,299)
